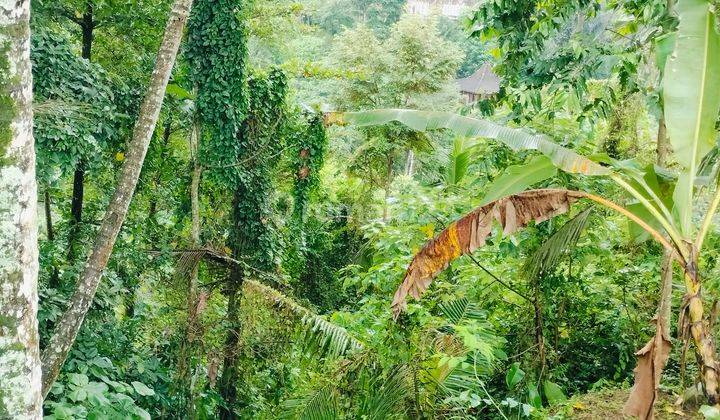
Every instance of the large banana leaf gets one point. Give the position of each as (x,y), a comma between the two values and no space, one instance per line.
(691,86)
(517,139)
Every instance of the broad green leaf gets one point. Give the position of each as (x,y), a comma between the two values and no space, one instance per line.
(514,375)
(534,396)
(710,413)
(458,161)
(664,45)
(518,178)
(690,97)
(553,393)
(515,138)
(78,394)
(142,389)
(178,92)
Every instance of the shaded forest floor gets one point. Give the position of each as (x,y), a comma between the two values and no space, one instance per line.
(608,404)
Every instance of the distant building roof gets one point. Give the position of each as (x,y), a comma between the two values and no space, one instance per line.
(483,82)
(448,8)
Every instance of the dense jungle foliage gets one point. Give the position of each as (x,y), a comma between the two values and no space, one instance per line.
(305,154)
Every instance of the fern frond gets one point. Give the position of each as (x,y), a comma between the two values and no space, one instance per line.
(548,255)
(327,338)
(320,335)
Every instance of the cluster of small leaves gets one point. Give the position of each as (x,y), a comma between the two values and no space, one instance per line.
(240,114)
(87,120)
(563,45)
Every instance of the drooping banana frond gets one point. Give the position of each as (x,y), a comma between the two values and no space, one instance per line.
(469,233)
(517,139)
(549,253)
(321,404)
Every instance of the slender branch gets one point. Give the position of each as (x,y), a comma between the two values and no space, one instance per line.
(497,279)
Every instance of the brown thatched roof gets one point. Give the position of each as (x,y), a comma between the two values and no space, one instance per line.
(482,82)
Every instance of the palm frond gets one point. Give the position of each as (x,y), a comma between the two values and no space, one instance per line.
(458,161)
(327,338)
(548,255)
(383,397)
(461,309)
(321,404)
(321,335)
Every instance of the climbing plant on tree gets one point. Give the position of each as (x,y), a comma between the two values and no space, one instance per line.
(308,155)
(241,116)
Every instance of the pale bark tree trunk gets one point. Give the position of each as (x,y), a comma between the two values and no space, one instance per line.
(56,351)
(20,386)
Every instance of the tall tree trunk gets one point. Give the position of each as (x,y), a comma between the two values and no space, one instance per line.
(20,395)
(694,322)
(67,328)
(229,378)
(87,26)
(48,217)
(228,381)
(539,335)
(185,366)
(54,274)
(167,131)
(388,184)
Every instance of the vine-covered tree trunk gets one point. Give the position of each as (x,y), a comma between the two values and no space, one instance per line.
(20,396)
(67,328)
(229,378)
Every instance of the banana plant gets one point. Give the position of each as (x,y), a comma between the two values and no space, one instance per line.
(691,105)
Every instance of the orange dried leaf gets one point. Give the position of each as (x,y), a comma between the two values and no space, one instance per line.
(470,232)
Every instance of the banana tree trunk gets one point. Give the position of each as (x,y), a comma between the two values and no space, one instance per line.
(692,321)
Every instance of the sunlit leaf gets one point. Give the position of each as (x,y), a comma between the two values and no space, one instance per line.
(515,138)
(690,96)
